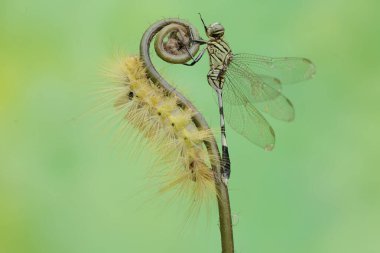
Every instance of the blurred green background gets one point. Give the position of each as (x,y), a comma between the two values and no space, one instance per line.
(66,187)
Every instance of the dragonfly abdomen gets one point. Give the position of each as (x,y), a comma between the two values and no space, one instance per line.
(215,77)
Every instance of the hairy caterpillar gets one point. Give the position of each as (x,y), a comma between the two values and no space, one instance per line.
(169,129)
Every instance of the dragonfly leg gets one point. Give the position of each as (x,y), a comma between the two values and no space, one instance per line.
(200,42)
(199,56)
(195,60)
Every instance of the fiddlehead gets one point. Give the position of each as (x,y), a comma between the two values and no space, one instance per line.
(177,47)
(173,45)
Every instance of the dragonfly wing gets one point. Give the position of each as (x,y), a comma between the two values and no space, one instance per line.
(245,81)
(242,86)
(287,69)
(245,119)
(280,108)
(254,82)
(248,121)
(273,82)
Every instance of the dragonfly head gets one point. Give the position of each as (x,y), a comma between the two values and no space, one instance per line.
(215,31)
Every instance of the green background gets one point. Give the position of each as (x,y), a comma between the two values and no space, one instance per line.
(67,186)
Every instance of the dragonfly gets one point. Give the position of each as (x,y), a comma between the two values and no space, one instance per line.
(249,84)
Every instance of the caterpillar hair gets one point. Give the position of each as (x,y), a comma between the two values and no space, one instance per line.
(167,127)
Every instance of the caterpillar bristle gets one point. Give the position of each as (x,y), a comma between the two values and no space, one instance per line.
(167,128)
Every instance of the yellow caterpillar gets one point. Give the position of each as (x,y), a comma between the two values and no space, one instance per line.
(169,129)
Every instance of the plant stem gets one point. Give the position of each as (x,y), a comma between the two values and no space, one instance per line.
(212,147)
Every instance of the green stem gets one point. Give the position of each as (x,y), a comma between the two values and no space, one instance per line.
(184,29)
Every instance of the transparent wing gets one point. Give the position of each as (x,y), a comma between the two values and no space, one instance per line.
(286,69)
(257,88)
(280,108)
(242,86)
(246,120)
(273,82)
(254,82)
